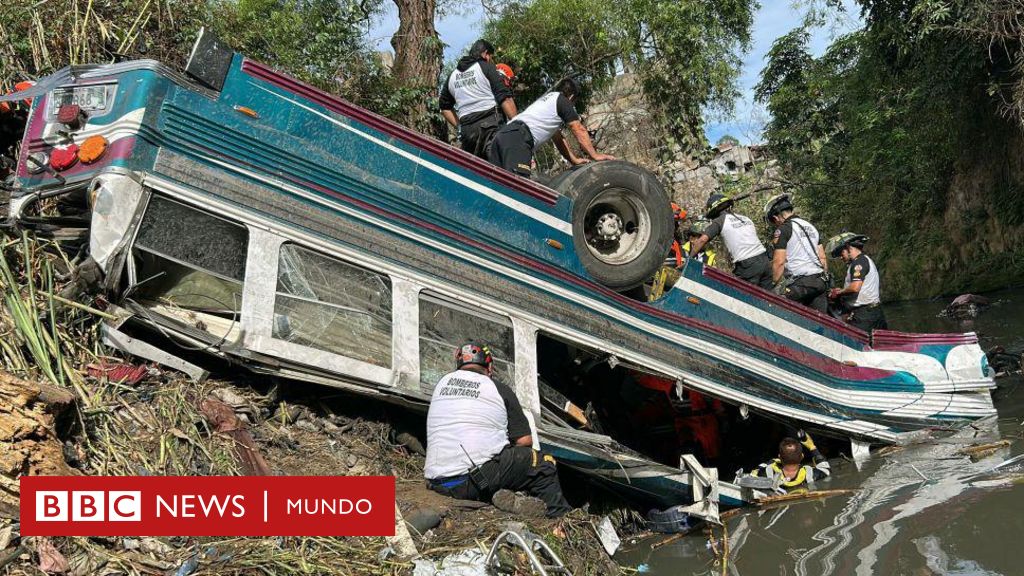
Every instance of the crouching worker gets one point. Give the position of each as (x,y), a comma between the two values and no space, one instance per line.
(788,470)
(479,441)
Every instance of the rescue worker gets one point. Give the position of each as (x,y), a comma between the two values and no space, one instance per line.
(860,296)
(750,259)
(698,229)
(789,471)
(516,141)
(476,99)
(799,268)
(479,440)
(507,75)
(676,254)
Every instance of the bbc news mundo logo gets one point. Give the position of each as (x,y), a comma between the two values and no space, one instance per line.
(88,506)
(208,506)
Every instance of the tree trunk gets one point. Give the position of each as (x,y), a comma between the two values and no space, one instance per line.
(28,443)
(418,53)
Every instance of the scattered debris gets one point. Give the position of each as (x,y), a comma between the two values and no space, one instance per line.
(224,421)
(980,451)
(470,562)
(606,533)
(402,542)
(966,306)
(127,374)
(775,501)
(51,560)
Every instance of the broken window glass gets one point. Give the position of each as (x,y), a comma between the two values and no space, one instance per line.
(333,306)
(195,238)
(189,259)
(443,328)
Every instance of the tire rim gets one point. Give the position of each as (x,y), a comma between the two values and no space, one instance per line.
(616,226)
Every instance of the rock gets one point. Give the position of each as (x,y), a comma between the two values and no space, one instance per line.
(411,442)
(422,519)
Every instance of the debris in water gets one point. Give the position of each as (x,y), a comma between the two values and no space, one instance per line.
(979,451)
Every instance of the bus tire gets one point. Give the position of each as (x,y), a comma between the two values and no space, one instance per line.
(622,224)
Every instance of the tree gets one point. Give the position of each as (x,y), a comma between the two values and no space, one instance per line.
(727,140)
(884,132)
(418,60)
(686,54)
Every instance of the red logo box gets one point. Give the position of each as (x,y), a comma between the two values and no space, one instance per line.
(208,505)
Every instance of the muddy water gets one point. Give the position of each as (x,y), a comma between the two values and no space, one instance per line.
(921,510)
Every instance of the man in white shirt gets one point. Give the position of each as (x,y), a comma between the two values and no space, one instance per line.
(479,440)
(750,259)
(798,262)
(860,296)
(543,120)
(471,98)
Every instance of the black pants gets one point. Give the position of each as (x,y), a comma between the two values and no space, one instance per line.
(477,132)
(519,468)
(512,148)
(756,270)
(867,318)
(810,291)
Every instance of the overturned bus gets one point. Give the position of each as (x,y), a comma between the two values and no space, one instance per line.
(234,210)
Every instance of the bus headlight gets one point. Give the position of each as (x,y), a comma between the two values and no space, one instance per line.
(114,198)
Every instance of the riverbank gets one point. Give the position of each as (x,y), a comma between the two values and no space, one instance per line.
(96,414)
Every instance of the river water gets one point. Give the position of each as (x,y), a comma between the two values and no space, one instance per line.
(950,516)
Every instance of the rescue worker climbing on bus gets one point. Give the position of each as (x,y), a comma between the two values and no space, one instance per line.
(479,440)
(541,121)
(859,300)
(696,230)
(477,99)
(788,472)
(750,260)
(799,268)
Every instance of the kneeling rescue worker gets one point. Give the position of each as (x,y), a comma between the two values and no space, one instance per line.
(860,297)
(789,470)
(740,236)
(479,440)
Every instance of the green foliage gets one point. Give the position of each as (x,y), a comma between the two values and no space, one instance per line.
(319,41)
(878,133)
(728,139)
(685,53)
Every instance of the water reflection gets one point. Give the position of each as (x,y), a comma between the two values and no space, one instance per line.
(925,509)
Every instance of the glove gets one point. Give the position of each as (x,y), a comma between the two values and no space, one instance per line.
(806,441)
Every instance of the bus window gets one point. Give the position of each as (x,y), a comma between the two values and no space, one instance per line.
(445,325)
(190,261)
(329,305)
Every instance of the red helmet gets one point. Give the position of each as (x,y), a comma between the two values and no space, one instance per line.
(507,75)
(473,353)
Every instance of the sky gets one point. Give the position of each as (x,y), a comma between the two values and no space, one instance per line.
(774,19)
